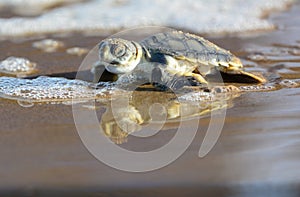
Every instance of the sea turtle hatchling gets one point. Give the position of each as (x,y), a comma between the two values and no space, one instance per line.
(183,54)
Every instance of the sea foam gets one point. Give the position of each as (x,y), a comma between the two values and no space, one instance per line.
(200,16)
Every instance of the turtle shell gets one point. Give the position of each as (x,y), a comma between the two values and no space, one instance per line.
(185,46)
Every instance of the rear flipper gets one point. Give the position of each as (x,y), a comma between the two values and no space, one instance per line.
(241,77)
(254,77)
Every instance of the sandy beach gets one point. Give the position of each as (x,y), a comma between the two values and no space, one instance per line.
(256,155)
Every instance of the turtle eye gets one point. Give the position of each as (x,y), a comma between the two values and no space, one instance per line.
(118,50)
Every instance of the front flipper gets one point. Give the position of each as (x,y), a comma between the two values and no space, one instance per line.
(163,80)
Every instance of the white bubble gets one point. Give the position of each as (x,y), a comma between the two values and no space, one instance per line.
(48,45)
(257,57)
(197,96)
(17,66)
(25,103)
(258,88)
(224,89)
(289,83)
(77,51)
(211,94)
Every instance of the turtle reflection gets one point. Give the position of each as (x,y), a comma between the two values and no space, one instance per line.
(127,115)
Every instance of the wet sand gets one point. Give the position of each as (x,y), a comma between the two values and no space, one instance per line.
(256,155)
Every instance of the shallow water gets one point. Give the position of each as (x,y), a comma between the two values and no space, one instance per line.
(256,154)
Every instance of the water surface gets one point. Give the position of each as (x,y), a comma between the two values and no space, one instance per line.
(257,153)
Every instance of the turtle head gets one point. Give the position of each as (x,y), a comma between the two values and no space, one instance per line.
(119,56)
